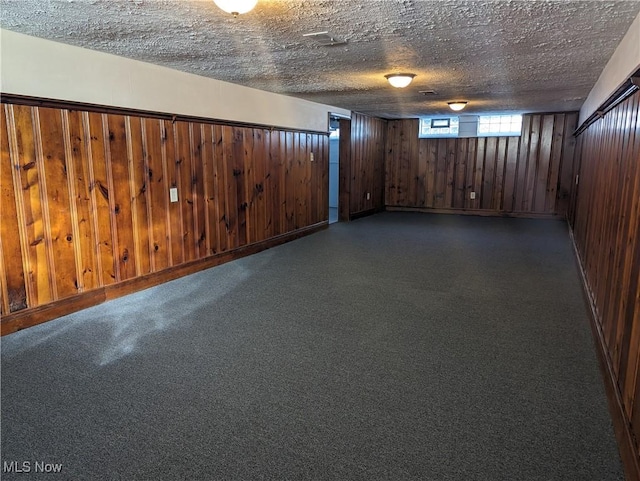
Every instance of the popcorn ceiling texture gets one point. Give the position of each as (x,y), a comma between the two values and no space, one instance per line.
(526,56)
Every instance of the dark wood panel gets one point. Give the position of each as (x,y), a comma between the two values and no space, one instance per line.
(210,211)
(14,294)
(86,204)
(29,199)
(197,184)
(605,222)
(80,190)
(344,171)
(57,204)
(366,162)
(526,174)
(100,197)
(220,195)
(158,195)
(119,186)
(138,191)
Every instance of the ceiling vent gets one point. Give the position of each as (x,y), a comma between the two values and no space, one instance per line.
(325,39)
(427,92)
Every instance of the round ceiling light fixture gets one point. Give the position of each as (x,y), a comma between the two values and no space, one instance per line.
(457,106)
(236,7)
(400,80)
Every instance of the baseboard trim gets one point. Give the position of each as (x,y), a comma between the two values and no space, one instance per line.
(478,212)
(621,425)
(365,213)
(37,315)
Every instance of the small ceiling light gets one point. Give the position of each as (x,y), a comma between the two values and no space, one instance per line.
(457,106)
(236,7)
(400,80)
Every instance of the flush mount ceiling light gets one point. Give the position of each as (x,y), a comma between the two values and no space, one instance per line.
(400,80)
(236,7)
(457,106)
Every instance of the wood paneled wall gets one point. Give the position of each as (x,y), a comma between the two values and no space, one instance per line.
(528,175)
(361,166)
(606,230)
(85,197)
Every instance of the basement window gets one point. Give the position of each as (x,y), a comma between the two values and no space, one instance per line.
(499,125)
(439,127)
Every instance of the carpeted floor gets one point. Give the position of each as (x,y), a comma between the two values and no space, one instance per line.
(396,347)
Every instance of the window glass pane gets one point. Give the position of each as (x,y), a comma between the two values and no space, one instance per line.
(437,127)
(499,125)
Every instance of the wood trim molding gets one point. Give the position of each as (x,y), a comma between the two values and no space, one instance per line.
(478,212)
(31,317)
(621,425)
(365,213)
(626,90)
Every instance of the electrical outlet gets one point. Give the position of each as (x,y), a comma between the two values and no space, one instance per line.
(311,157)
(472,195)
(368,196)
(173,194)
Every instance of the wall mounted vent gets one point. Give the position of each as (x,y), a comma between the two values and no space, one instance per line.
(325,39)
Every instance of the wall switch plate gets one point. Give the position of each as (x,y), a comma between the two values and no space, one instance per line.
(311,157)
(472,195)
(368,195)
(173,194)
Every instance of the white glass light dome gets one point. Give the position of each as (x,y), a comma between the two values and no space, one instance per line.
(236,7)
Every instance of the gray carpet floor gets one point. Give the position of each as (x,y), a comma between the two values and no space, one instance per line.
(396,347)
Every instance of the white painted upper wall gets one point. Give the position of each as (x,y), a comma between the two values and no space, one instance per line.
(624,62)
(35,67)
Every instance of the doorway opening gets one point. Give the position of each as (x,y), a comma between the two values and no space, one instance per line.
(334,162)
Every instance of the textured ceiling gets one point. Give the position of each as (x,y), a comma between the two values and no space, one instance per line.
(523,56)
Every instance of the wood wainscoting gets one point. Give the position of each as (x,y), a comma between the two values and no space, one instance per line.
(86,201)
(362,141)
(528,175)
(606,230)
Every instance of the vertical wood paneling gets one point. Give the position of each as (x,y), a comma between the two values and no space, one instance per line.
(84,234)
(220,173)
(209,191)
(183,172)
(158,195)
(566,185)
(488,173)
(366,157)
(120,187)
(526,174)
(289,181)
(172,173)
(197,184)
(138,192)
(249,185)
(61,231)
(239,175)
(510,172)
(14,294)
(470,166)
(606,228)
(522,165)
(269,203)
(258,186)
(344,171)
(27,187)
(86,205)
